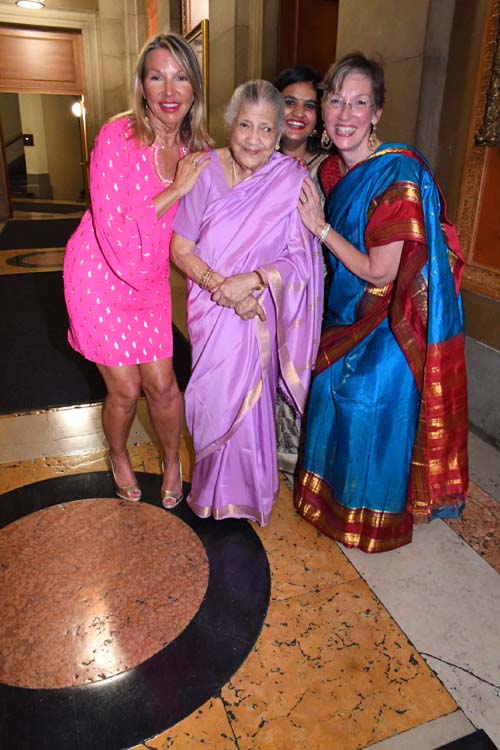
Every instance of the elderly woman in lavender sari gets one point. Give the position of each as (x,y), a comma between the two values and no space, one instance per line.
(254,307)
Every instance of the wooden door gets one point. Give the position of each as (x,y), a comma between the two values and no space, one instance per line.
(40,61)
(308,33)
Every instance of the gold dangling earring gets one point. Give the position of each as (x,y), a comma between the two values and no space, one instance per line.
(373,141)
(278,144)
(325,140)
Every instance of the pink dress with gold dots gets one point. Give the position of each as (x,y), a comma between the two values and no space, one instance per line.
(116,266)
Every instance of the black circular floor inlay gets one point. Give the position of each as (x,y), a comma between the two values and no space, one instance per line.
(125,710)
(38,259)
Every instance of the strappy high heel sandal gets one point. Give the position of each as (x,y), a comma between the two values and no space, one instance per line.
(171,498)
(130,492)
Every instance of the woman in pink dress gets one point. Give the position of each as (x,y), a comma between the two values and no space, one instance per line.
(116,267)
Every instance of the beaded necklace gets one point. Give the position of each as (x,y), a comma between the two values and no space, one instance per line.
(156,148)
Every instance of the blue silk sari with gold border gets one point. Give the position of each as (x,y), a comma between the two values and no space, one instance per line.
(386,428)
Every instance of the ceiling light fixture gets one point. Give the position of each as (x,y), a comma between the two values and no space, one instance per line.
(31,4)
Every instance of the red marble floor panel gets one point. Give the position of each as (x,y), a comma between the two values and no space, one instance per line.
(479,525)
(91,588)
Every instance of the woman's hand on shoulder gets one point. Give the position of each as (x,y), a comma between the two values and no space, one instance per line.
(309,206)
(188,170)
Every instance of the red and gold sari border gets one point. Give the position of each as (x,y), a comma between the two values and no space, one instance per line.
(397,191)
(409,229)
(338,340)
(363,528)
(439,466)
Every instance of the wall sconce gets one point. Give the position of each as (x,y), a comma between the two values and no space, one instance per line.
(31,4)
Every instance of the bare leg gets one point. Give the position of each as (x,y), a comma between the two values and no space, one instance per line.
(165,405)
(124,386)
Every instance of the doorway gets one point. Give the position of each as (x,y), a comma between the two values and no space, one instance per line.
(43,150)
(37,129)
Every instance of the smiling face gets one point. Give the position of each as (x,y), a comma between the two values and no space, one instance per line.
(167,90)
(350,129)
(300,111)
(253,135)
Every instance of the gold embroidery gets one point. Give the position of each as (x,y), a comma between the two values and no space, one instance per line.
(411,228)
(378,291)
(365,516)
(233,510)
(398,191)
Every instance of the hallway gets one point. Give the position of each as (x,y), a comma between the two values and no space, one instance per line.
(398,651)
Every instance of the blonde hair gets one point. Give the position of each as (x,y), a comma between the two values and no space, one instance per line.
(254,92)
(193,130)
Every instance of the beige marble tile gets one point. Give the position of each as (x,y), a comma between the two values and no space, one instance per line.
(430,735)
(447,600)
(50,433)
(72,429)
(207,728)
(331,669)
(144,457)
(300,558)
(479,698)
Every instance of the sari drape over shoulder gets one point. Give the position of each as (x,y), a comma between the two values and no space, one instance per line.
(386,441)
(236,364)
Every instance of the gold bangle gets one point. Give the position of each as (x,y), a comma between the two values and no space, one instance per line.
(262,284)
(204,280)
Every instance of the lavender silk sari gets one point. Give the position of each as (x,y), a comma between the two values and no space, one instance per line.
(236,364)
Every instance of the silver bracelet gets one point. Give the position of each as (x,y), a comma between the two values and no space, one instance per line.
(324,232)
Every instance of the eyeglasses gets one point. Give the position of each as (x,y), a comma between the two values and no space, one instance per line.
(360,104)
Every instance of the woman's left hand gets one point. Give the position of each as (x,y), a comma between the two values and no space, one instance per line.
(310,209)
(235,289)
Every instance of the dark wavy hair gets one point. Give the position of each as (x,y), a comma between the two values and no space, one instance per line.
(304,74)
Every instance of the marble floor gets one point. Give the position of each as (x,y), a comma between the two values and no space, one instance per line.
(398,651)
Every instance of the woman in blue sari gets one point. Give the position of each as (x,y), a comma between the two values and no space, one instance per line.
(386,430)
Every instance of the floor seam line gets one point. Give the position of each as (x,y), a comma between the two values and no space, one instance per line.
(462,669)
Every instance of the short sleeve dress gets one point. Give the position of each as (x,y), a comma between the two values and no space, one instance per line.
(116,265)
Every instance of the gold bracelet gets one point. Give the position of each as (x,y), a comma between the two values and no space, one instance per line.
(262,284)
(204,281)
